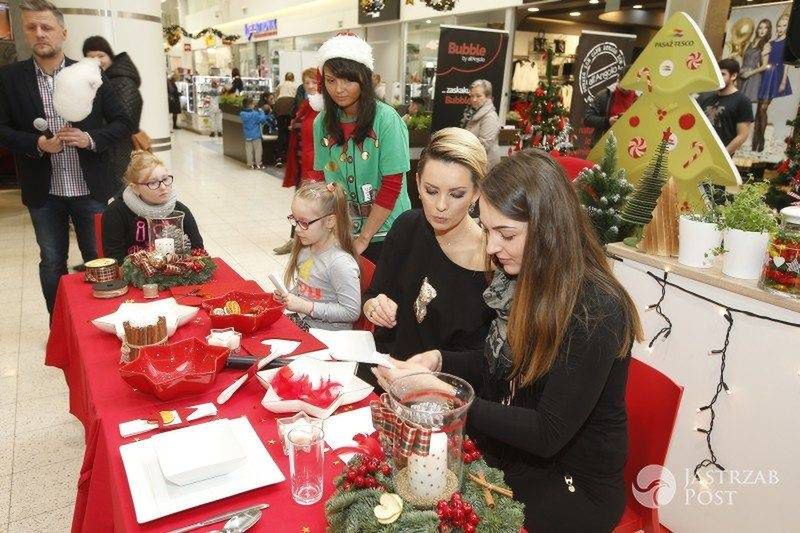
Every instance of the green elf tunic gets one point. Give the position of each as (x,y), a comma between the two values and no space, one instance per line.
(359,169)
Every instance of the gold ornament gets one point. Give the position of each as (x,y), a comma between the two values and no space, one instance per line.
(332,166)
(232,307)
(364,155)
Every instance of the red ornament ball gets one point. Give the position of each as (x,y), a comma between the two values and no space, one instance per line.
(686,121)
(633,121)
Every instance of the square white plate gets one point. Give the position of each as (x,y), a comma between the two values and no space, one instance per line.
(197,453)
(154,497)
(177,315)
(353,389)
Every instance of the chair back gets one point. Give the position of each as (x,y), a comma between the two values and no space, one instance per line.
(652,400)
(367,269)
(98,234)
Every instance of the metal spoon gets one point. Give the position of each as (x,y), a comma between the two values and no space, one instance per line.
(241,522)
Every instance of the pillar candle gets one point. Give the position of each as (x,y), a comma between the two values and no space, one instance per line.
(427,474)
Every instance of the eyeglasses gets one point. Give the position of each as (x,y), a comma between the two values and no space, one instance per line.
(302,223)
(154,185)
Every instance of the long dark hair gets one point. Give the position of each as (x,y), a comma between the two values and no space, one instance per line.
(96,43)
(759,42)
(351,71)
(561,254)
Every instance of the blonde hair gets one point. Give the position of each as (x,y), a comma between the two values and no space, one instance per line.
(456,145)
(142,165)
(310,73)
(331,200)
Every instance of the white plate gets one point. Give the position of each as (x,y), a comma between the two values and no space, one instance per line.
(215,451)
(353,389)
(154,497)
(176,315)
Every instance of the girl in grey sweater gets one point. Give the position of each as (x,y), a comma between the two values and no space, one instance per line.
(323,274)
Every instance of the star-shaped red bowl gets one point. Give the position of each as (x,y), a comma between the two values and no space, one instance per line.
(259,311)
(175,370)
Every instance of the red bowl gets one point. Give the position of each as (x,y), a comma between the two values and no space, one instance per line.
(174,370)
(270,310)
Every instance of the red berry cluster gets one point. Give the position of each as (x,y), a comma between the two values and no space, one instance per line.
(363,475)
(457,514)
(471,452)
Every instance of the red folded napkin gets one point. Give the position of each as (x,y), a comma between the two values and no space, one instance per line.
(195,294)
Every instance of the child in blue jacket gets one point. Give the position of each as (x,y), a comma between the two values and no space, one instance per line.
(252,119)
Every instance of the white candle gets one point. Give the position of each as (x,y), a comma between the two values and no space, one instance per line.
(165,245)
(427,474)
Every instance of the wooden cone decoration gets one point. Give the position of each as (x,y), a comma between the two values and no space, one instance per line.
(661,234)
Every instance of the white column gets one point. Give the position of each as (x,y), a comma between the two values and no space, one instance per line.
(511,27)
(135,28)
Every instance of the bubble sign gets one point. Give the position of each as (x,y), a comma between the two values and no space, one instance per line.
(599,69)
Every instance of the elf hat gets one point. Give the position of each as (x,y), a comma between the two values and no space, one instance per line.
(347,46)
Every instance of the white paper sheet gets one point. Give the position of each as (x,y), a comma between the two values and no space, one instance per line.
(352,345)
(340,429)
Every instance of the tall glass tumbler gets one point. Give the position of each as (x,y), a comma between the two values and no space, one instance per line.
(306,463)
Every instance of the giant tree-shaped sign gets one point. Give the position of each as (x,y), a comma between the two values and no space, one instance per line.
(676,64)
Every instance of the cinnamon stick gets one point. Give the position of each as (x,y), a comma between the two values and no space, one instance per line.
(487,493)
(483,483)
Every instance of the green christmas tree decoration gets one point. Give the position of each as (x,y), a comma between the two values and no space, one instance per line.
(638,210)
(547,123)
(784,189)
(603,190)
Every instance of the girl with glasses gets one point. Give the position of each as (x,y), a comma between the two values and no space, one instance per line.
(322,274)
(149,194)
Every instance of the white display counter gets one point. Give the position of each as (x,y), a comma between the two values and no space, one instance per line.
(757,426)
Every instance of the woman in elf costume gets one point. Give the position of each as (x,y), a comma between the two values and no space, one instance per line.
(360,143)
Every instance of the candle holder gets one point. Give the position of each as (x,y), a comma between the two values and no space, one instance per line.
(427,446)
(165,235)
(285,425)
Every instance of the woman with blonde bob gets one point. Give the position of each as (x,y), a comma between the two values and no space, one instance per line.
(550,380)
(149,194)
(434,258)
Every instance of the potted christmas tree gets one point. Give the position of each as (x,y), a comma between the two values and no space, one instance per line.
(700,234)
(746,224)
(603,190)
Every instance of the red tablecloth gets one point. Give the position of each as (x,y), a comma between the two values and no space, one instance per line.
(100,399)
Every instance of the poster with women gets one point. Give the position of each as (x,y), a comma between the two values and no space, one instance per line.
(756,38)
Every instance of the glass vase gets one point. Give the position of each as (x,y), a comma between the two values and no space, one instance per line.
(781,272)
(436,403)
(165,235)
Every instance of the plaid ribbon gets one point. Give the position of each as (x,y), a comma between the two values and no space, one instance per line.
(407,437)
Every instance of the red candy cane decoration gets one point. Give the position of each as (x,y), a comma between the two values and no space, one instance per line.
(697,147)
(645,72)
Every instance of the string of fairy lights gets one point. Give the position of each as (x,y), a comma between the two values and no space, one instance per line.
(728,313)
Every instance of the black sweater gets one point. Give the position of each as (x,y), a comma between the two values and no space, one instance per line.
(571,423)
(122,229)
(410,254)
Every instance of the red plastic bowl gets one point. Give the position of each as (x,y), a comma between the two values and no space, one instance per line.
(174,370)
(270,311)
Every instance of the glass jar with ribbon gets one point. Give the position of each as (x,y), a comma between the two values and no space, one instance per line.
(781,272)
(165,235)
(421,420)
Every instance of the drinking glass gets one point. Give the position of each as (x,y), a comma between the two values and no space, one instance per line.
(306,462)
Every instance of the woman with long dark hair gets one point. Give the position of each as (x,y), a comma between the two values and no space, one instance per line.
(755,60)
(360,143)
(550,381)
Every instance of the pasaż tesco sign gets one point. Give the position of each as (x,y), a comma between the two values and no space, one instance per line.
(466,49)
(262,28)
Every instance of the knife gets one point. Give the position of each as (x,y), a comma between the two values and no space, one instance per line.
(225,395)
(218,518)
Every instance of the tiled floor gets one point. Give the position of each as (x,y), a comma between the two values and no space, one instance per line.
(242,217)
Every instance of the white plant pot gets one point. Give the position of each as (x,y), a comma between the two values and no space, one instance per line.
(697,242)
(745,252)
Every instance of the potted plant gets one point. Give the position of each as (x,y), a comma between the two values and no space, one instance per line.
(746,224)
(419,130)
(700,234)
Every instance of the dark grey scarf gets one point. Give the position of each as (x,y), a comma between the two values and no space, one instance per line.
(499,296)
